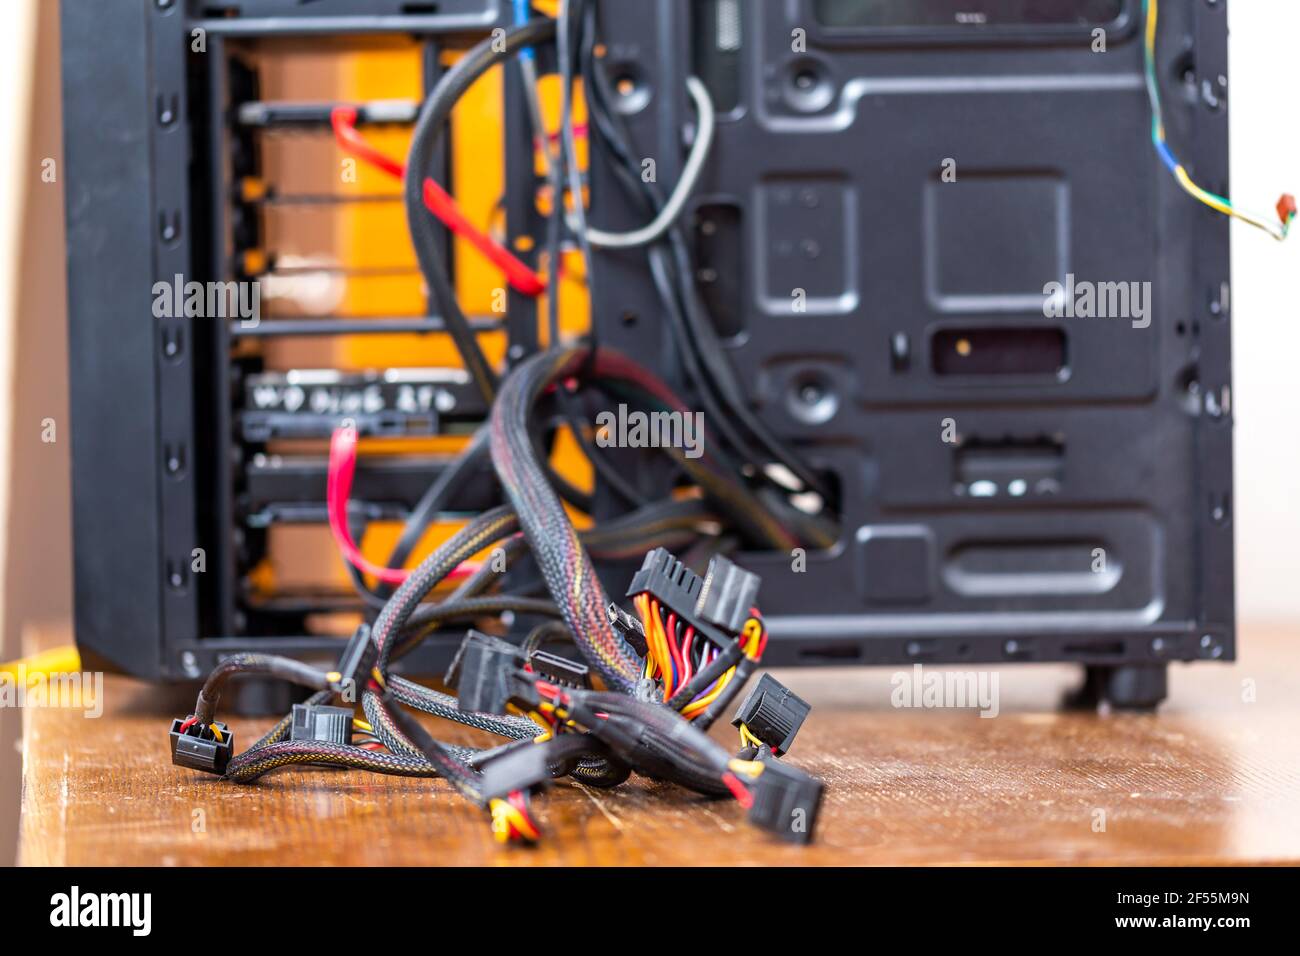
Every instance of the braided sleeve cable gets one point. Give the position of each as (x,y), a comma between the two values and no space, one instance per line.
(448,763)
(482,531)
(565,566)
(382,721)
(445,760)
(427,615)
(273,665)
(252,764)
(437,704)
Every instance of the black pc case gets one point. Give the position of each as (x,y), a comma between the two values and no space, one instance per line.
(892,190)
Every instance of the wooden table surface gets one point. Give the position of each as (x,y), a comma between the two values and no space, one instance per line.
(1214,777)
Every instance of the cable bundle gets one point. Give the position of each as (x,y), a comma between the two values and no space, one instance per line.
(672,669)
(678,652)
(667,676)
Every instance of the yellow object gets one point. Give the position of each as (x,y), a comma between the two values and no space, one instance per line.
(58,660)
(698,706)
(503,815)
(750,768)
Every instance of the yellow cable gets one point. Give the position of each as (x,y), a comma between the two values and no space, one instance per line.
(665,654)
(504,814)
(750,768)
(523,825)
(500,820)
(695,707)
(653,634)
(57,660)
(547,730)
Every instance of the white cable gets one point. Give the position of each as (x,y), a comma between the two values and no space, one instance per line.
(685,185)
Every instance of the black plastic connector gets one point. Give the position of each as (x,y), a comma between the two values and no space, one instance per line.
(560,670)
(773,713)
(198,748)
(728,595)
(357,662)
(485,673)
(521,769)
(717,604)
(786,801)
(629,627)
(331,725)
(668,580)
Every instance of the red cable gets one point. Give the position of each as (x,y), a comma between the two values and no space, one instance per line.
(762,641)
(679,666)
(521,278)
(738,790)
(344,121)
(687,643)
(338,488)
(579,130)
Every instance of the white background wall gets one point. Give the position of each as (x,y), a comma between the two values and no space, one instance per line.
(1264,86)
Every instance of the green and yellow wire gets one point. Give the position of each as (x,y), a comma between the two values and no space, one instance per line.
(1286,207)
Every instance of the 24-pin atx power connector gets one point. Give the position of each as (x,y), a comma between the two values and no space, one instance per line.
(721,601)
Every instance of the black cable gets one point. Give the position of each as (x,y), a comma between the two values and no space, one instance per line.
(486,529)
(554,231)
(561,558)
(543,634)
(462,776)
(662,267)
(576,417)
(270,665)
(698,335)
(434,499)
(437,704)
(568,12)
(488,573)
(433,118)
(427,614)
